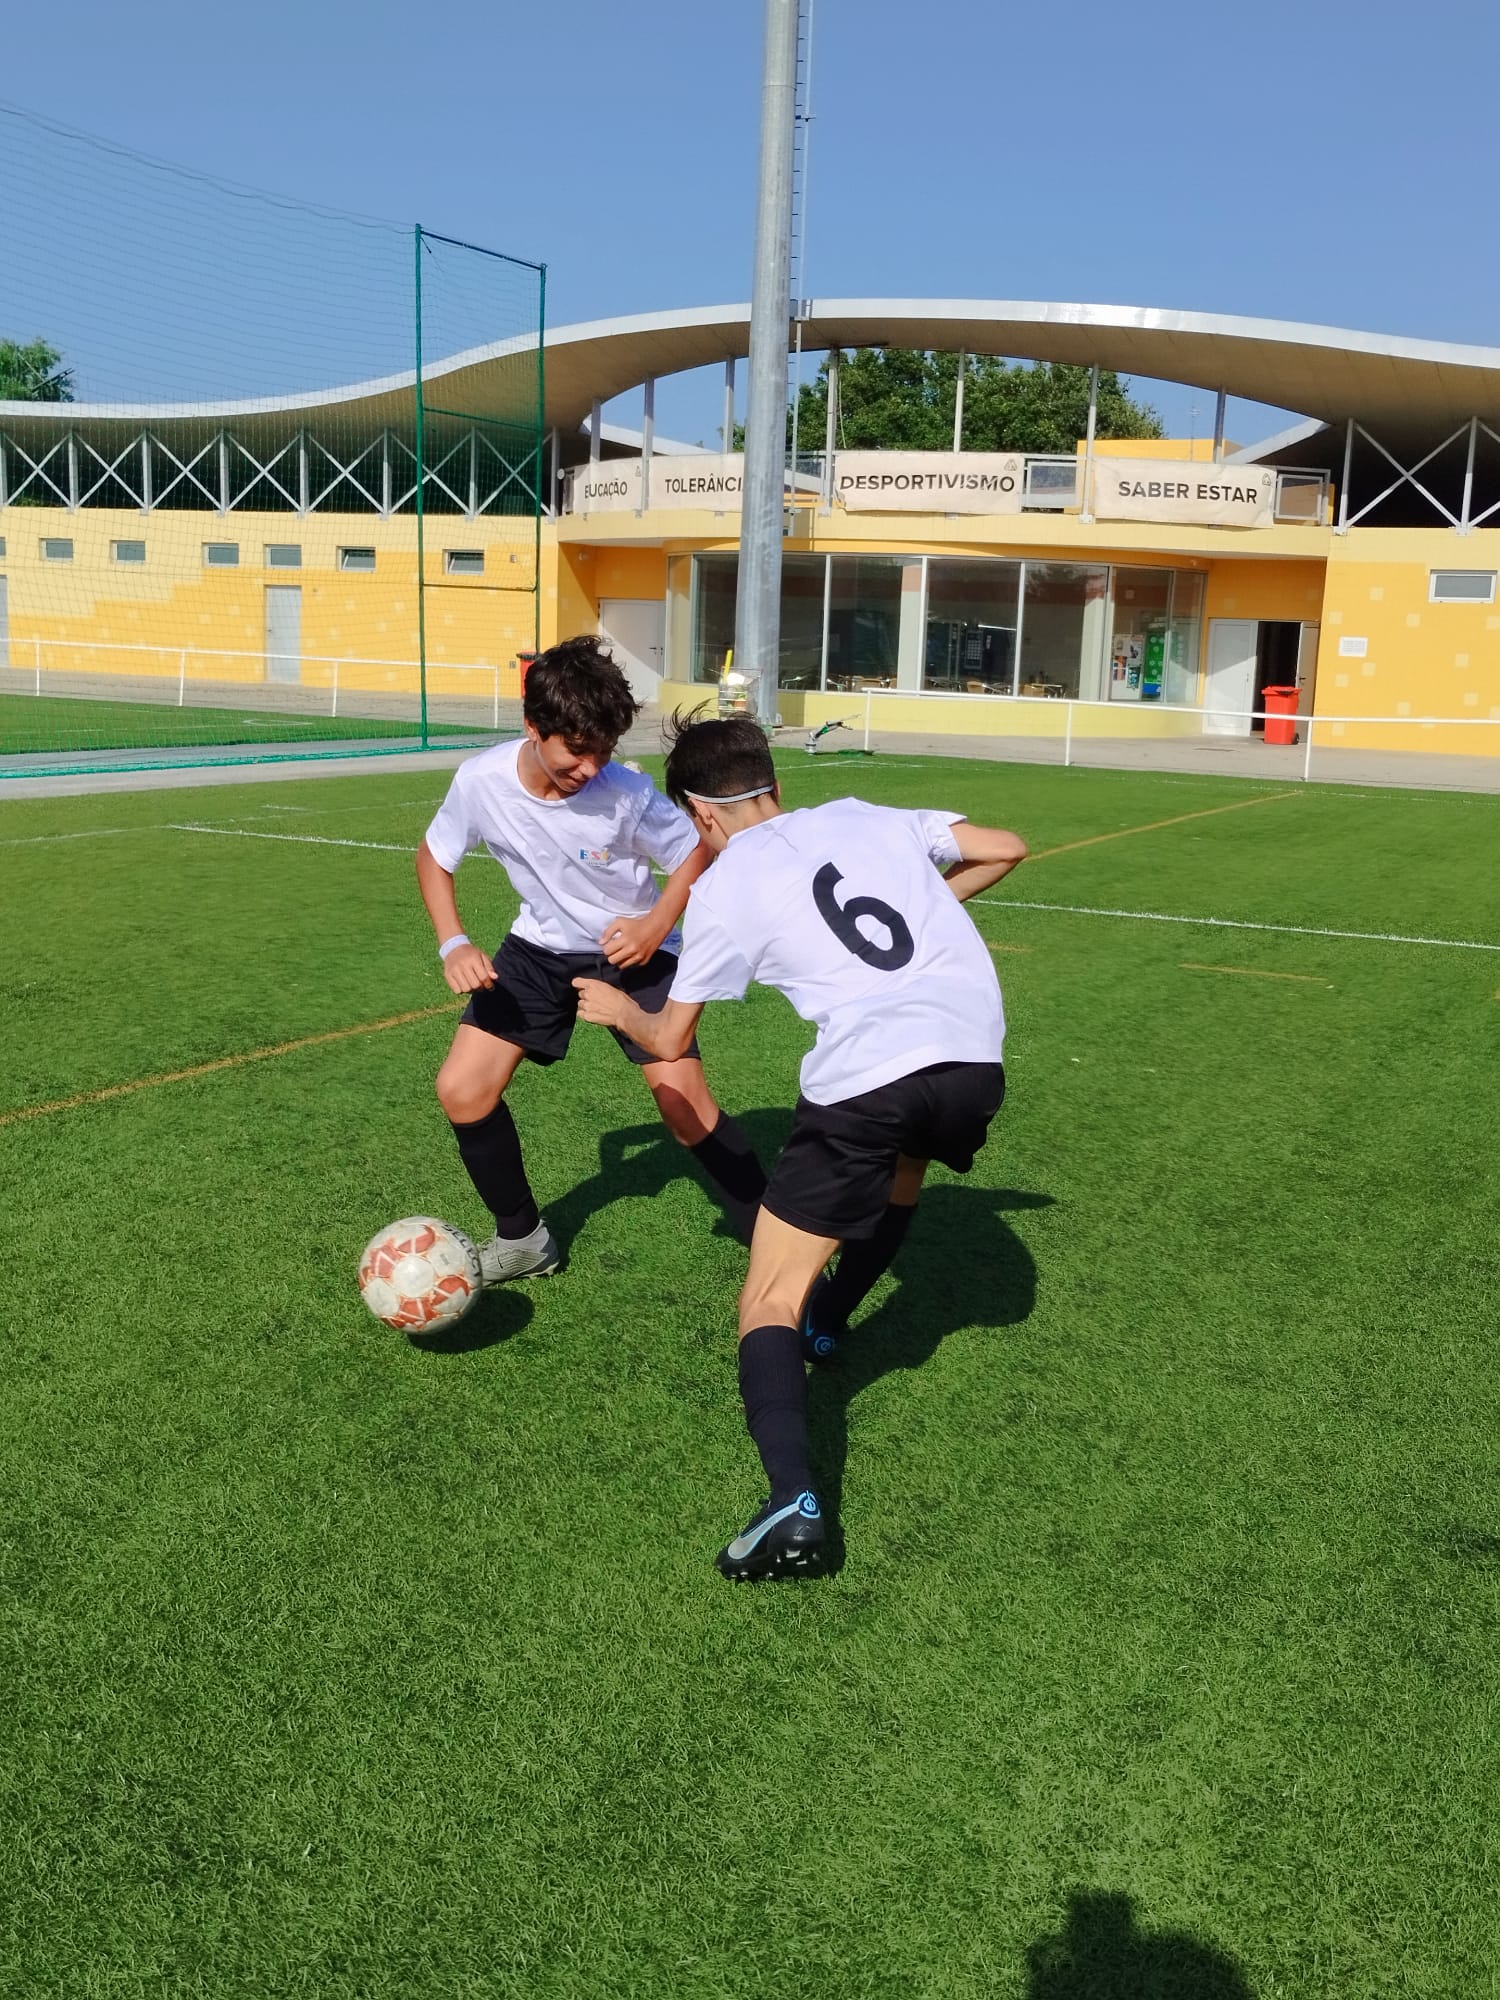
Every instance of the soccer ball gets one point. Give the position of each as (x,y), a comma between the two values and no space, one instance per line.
(419,1274)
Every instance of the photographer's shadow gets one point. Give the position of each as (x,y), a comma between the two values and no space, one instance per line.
(1103,1954)
(962,1265)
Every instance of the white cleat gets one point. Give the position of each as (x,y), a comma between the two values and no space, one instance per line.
(533,1256)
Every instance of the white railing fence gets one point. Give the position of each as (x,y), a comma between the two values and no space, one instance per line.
(61,657)
(1224,724)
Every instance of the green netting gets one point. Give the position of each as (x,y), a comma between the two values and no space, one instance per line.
(224,495)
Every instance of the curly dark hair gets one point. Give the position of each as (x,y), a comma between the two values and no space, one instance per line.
(715,757)
(576,691)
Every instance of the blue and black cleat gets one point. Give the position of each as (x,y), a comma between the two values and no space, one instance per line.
(820,1335)
(784,1539)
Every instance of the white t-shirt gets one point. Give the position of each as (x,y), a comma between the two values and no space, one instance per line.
(841,909)
(576,863)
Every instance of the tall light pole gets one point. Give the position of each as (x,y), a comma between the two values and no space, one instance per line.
(757,613)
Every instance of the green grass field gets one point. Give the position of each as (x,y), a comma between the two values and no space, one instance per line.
(1161,1657)
(30,724)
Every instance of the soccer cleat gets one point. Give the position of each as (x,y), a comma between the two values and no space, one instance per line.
(820,1335)
(782,1540)
(533,1256)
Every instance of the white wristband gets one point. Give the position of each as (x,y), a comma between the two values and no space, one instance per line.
(452,944)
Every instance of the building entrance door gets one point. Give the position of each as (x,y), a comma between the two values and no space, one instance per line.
(283,631)
(636,631)
(1233,649)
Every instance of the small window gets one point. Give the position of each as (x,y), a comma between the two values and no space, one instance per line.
(1461,586)
(2,548)
(464,562)
(128,552)
(56,549)
(356,559)
(221,555)
(283,555)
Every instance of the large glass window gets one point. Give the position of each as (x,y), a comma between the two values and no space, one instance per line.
(973,612)
(713,614)
(1062,627)
(802,580)
(715,580)
(963,625)
(1154,636)
(1138,640)
(864,619)
(1181,684)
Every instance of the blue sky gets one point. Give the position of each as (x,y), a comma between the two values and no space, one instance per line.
(1329,163)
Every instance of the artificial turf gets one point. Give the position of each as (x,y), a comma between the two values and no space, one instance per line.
(30,724)
(1159,1655)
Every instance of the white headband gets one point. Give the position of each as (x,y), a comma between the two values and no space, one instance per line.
(734,798)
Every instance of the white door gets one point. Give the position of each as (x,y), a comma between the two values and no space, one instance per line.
(1231,676)
(636,631)
(1307,669)
(283,631)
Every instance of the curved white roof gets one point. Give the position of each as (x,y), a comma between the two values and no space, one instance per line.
(1399,386)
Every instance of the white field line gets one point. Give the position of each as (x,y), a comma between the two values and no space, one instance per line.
(1238,924)
(316,812)
(301,839)
(85,833)
(172,826)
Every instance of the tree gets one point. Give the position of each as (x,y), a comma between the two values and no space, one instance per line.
(31,372)
(899,399)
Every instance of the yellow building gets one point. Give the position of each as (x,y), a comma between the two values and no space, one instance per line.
(1151,588)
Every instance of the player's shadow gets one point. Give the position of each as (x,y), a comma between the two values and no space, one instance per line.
(1101,1954)
(502,1312)
(962,1265)
(639,1161)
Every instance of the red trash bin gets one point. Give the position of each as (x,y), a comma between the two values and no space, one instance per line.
(524,661)
(1280,705)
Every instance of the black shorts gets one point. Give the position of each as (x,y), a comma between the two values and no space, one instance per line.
(834,1174)
(533,1002)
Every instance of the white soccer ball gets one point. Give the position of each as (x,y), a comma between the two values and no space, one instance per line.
(419,1274)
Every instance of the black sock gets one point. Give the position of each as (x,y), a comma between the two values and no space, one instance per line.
(490,1149)
(773,1386)
(861,1263)
(728,1158)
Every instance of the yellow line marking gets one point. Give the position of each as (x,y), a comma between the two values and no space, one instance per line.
(1029,947)
(221,1062)
(1156,825)
(1254,972)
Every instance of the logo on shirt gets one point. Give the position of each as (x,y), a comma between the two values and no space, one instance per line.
(600,855)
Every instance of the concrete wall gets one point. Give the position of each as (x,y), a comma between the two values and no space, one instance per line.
(1419,658)
(95,615)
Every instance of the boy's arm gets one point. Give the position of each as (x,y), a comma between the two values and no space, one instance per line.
(466,966)
(666,1036)
(988,855)
(635,940)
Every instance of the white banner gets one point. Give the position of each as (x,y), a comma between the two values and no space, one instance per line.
(929,482)
(1159,489)
(713,481)
(612,486)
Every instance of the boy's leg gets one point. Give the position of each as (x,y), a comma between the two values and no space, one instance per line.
(720,1146)
(471,1088)
(945,1113)
(716,1141)
(862,1263)
(787,1533)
